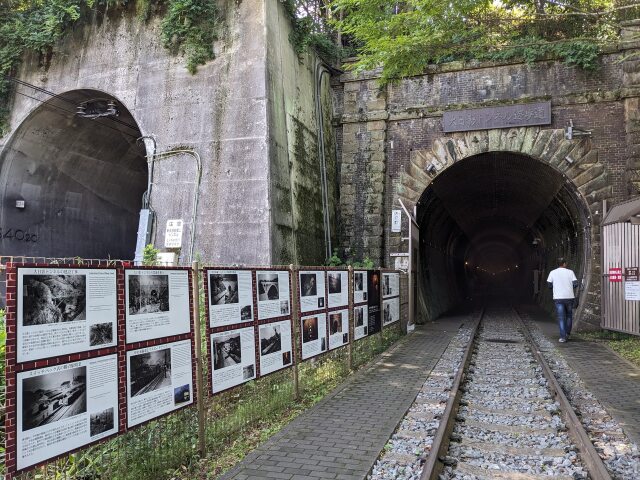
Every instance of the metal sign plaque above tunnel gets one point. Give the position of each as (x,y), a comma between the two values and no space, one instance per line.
(173,234)
(523,115)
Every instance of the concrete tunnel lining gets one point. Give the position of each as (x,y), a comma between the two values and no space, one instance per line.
(81,181)
(489,221)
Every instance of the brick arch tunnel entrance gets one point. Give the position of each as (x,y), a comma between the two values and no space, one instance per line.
(493,225)
(72,185)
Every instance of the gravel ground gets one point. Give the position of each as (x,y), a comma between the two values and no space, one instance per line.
(507,420)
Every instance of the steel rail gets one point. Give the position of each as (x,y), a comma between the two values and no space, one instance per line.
(588,454)
(434,464)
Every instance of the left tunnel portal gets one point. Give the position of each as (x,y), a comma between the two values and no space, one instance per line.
(72,185)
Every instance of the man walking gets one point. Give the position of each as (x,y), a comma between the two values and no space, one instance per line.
(563,282)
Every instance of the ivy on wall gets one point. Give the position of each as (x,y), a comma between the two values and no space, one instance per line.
(188,27)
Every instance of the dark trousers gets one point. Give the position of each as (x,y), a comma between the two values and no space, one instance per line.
(564,312)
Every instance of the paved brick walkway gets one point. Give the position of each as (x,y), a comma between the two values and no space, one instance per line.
(341,436)
(613,380)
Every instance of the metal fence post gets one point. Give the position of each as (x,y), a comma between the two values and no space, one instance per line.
(350,315)
(294,324)
(195,270)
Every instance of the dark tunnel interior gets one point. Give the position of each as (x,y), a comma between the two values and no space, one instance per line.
(72,185)
(493,225)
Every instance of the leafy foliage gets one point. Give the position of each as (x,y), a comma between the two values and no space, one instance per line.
(189,27)
(150,255)
(403,37)
(335,261)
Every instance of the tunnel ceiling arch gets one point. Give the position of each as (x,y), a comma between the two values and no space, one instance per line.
(81,181)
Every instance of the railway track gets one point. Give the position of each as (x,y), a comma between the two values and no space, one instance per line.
(506,417)
(492,409)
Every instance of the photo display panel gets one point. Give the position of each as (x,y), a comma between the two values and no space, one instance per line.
(233,358)
(338,328)
(338,286)
(373,302)
(230,297)
(157,303)
(312,292)
(390,285)
(275,346)
(273,294)
(313,330)
(360,286)
(65,407)
(62,311)
(159,380)
(390,310)
(360,322)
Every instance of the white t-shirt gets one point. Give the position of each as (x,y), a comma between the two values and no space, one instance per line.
(562,279)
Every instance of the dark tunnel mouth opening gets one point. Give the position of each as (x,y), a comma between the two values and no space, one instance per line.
(72,186)
(492,226)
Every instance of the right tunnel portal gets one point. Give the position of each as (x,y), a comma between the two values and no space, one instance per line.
(494,225)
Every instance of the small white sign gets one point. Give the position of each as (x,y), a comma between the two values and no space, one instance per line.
(632,291)
(173,234)
(396,221)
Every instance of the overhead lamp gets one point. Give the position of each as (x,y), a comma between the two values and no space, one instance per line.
(97,108)
(431,169)
(569,160)
(570,131)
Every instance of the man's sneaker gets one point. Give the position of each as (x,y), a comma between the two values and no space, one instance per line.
(562,340)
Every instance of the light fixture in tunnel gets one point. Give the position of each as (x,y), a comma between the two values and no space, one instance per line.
(568,159)
(570,131)
(97,108)
(431,169)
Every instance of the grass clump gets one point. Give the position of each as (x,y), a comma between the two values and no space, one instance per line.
(625,345)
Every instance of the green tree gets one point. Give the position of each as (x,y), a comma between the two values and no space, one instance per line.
(404,37)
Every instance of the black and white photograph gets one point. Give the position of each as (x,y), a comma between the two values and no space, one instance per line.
(100,422)
(360,321)
(227,351)
(309,329)
(224,289)
(101,334)
(323,344)
(268,286)
(387,313)
(345,338)
(335,282)
(390,310)
(390,284)
(150,371)
(270,339)
(308,287)
(335,323)
(358,315)
(386,285)
(321,302)
(181,394)
(358,281)
(48,299)
(148,294)
(246,312)
(54,396)
(284,307)
(248,372)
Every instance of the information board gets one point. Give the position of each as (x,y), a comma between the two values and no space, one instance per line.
(273,294)
(313,330)
(230,294)
(373,302)
(275,346)
(64,407)
(157,303)
(338,287)
(360,321)
(233,358)
(390,310)
(390,284)
(62,311)
(360,286)
(338,328)
(159,380)
(312,291)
